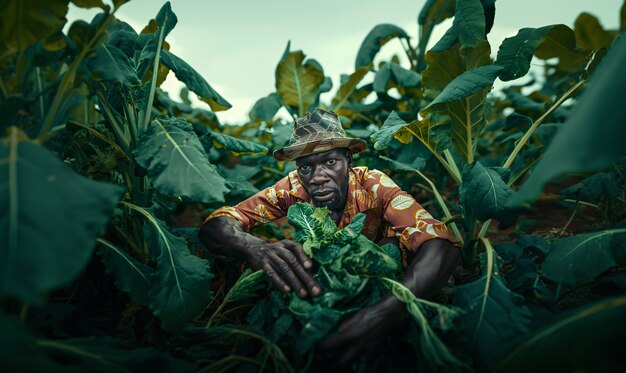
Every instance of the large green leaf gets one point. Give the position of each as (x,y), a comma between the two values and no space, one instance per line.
(469,22)
(581,258)
(383,137)
(436,11)
(467,115)
(194,81)
(182,287)
(590,34)
(484,195)
(111,64)
(468,83)
(495,315)
(176,162)
(298,81)
(516,52)
(235,145)
(266,108)
(374,40)
(391,72)
(586,340)
(21,351)
(130,275)
(25,22)
(561,43)
(50,218)
(591,137)
(348,87)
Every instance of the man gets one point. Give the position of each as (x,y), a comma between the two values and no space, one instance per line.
(325,177)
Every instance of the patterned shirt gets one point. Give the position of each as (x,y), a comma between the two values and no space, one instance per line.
(390,211)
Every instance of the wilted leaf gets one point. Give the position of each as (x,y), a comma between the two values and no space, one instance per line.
(587,339)
(41,200)
(374,40)
(298,81)
(25,22)
(586,143)
(581,258)
(176,162)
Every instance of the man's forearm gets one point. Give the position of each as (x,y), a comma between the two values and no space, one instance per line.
(428,272)
(226,236)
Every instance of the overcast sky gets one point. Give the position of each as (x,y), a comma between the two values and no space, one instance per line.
(237,44)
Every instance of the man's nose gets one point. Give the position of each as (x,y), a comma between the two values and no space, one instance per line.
(319,176)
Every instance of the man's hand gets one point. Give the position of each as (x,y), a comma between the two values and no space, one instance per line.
(286,263)
(362,331)
(427,273)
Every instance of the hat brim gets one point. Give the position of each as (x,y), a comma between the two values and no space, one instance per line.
(291,153)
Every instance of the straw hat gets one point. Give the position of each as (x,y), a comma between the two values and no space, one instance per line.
(317,132)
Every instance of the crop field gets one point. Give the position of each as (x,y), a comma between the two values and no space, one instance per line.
(105,180)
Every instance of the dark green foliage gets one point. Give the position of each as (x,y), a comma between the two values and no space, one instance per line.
(50,217)
(176,162)
(484,195)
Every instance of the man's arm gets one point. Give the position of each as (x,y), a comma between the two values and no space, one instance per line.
(427,273)
(284,261)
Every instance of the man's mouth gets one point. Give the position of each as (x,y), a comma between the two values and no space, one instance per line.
(324,195)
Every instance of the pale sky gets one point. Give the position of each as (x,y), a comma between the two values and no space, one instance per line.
(236,44)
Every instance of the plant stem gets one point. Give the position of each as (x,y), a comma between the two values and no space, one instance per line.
(13,228)
(155,73)
(536,124)
(40,90)
(455,168)
(569,221)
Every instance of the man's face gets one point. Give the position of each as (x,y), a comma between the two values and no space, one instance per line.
(325,177)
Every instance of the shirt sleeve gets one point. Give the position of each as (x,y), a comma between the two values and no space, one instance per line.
(410,222)
(267,205)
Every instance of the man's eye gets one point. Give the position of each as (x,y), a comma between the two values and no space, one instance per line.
(331,162)
(304,169)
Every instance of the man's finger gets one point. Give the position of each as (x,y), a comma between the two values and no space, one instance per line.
(285,271)
(311,285)
(282,285)
(298,250)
